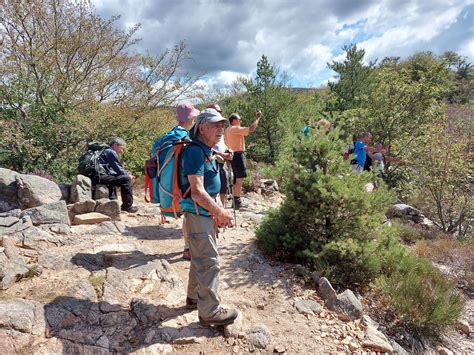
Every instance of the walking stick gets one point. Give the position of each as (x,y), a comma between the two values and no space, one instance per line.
(230,183)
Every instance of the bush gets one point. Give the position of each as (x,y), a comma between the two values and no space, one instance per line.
(423,298)
(410,234)
(327,220)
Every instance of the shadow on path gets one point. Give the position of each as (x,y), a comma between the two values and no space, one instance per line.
(153,232)
(84,326)
(119,260)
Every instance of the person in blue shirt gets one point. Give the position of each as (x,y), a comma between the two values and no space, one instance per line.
(360,151)
(200,185)
(115,175)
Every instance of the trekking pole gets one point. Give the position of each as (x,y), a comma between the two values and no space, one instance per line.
(230,184)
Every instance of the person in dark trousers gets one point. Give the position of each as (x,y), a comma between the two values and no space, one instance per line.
(115,175)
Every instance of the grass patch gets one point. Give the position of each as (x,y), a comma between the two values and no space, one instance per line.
(447,250)
(97,280)
(422,297)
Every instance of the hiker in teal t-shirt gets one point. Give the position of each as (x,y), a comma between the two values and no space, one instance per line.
(309,125)
(199,174)
(191,164)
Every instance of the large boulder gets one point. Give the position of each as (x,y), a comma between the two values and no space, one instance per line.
(34,191)
(22,315)
(85,206)
(51,213)
(406,212)
(81,189)
(8,189)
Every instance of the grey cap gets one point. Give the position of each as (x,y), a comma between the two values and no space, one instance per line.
(207,115)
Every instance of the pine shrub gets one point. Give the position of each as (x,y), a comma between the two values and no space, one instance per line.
(328,220)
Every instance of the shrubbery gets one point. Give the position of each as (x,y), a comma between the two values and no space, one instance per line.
(329,222)
(421,295)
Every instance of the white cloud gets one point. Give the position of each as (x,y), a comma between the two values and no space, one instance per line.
(227,38)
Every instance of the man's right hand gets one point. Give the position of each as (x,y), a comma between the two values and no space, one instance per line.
(224,219)
(258,114)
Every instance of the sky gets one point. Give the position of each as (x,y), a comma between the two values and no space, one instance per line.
(226,38)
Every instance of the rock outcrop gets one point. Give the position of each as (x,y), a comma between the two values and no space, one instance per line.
(346,304)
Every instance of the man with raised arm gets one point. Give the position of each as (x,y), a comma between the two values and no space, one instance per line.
(235,140)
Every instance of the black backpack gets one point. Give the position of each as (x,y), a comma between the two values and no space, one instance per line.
(89,164)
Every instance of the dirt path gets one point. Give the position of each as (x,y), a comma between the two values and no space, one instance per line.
(264,291)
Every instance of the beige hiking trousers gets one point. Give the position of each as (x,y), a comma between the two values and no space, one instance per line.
(204,269)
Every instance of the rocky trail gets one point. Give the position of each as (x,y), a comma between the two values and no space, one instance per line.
(119,286)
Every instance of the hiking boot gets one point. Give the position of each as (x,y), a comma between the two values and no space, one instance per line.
(237,203)
(131,209)
(223,316)
(186,254)
(191,304)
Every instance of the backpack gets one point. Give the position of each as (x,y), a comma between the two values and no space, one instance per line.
(89,164)
(161,172)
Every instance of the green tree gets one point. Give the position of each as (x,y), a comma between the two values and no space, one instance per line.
(60,62)
(353,79)
(267,92)
(463,81)
(441,163)
(403,103)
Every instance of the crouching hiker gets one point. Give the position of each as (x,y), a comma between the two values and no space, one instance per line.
(204,213)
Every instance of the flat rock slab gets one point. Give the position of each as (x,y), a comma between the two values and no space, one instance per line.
(90,218)
(8,221)
(308,307)
(25,316)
